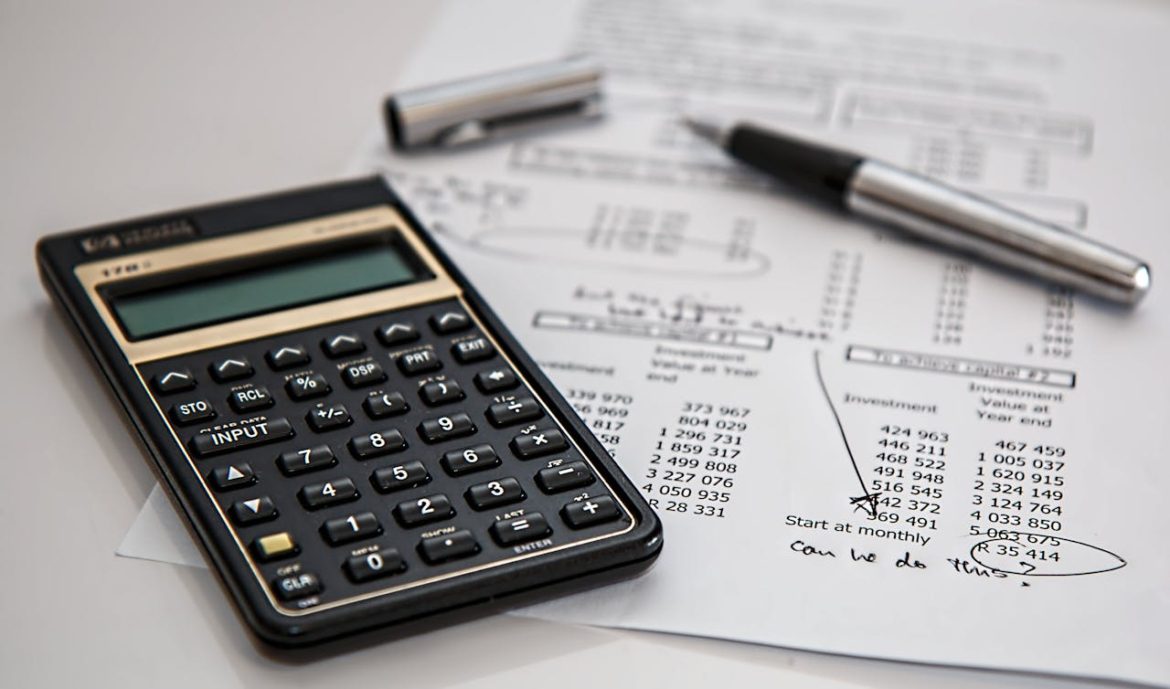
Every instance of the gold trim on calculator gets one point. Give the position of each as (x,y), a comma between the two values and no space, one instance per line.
(98,274)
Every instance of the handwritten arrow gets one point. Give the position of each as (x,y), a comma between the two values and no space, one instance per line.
(866,501)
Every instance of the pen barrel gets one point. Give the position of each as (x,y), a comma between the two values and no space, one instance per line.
(974,225)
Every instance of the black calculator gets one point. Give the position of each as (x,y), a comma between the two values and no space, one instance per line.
(354,437)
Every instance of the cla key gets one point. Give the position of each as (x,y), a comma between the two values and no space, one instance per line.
(296,586)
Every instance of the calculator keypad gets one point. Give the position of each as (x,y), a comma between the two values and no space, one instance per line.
(404,448)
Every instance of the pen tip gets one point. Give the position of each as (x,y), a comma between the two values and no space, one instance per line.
(704,128)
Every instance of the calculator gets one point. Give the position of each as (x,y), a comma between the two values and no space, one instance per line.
(353,436)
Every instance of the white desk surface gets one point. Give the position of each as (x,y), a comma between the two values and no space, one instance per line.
(133,107)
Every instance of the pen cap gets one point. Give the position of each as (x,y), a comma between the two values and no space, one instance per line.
(490,105)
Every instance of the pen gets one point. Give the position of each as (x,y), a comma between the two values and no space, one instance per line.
(934,211)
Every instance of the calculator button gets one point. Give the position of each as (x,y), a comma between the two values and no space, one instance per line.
(307,387)
(253,511)
(251,399)
(363,374)
(446,427)
(375,565)
(287,357)
(564,477)
(377,444)
(450,322)
(485,496)
(328,417)
(296,586)
(470,459)
(521,529)
(441,392)
(496,379)
(448,547)
(230,369)
(422,361)
(179,380)
(538,443)
(343,345)
(400,477)
(355,527)
(232,477)
(239,437)
(583,513)
(274,546)
(397,333)
(379,406)
(476,349)
(318,495)
(432,508)
(194,411)
(306,460)
(515,411)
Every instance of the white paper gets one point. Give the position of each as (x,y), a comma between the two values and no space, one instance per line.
(759,366)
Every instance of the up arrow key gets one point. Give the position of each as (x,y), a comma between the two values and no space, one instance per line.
(231,369)
(173,381)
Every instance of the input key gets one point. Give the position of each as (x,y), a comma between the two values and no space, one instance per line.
(219,441)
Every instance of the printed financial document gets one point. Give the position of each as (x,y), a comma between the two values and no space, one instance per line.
(858,444)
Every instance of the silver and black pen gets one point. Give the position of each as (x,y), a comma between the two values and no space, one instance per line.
(935,211)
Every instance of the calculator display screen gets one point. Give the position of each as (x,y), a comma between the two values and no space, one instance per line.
(263,289)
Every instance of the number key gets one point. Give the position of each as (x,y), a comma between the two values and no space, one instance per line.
(400,477)
(375,565)
(467,460)
(446,427)
(377,444)
(318,495)
(308,459)
(432,508)
(352,528)
(484,496)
